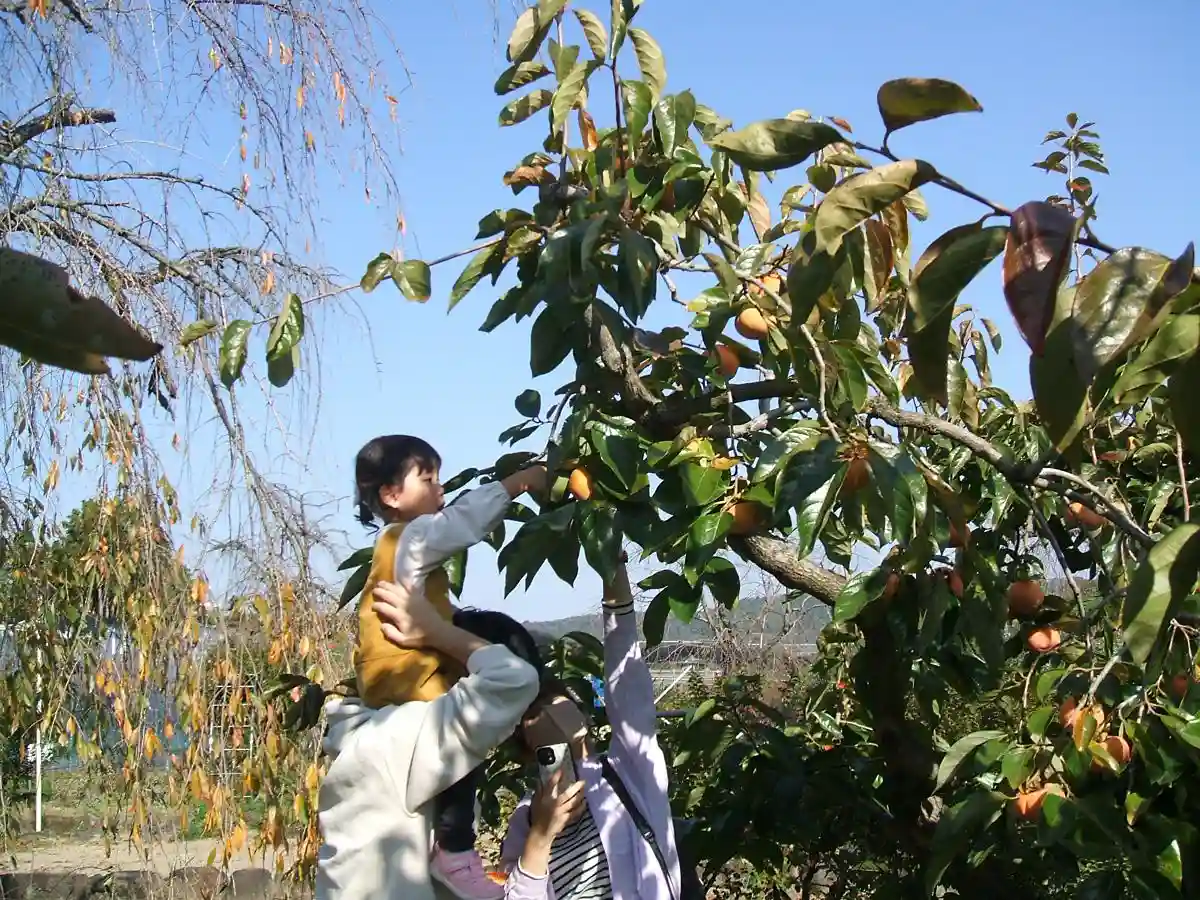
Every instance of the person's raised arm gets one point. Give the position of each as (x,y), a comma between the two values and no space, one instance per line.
(460,728)
(430,540)
(628,687)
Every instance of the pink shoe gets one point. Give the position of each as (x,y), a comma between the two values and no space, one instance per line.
(464,876)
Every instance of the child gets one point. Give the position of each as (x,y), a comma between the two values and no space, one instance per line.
(396,477)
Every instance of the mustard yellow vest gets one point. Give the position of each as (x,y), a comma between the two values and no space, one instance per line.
(387,675)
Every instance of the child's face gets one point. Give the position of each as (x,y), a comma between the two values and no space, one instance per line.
(419,493)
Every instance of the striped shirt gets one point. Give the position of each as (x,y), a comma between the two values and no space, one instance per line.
(578,867)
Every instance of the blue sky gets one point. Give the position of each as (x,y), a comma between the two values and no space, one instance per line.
(1129,67)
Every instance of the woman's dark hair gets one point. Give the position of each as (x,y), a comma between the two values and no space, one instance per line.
(388,460)
(497,628)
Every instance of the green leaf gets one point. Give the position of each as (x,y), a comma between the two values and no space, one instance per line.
(594,31)
(654,621)
(360,557)
(860,590)
(355,584)
(814,512)
(637,102)
(531,29)
(413,278)
(570,89)
(774,144)
(1114,304)
(861,196)
(232,358)
(456,571)
(1183,389)
(287,330)
(1059,391)
(193,331)
(1159,587)
(778,451)
(601,540)
(956,831)
(472,274)
(519,75)
(650,61)
(809,277)
(621,453)
(637,271)
(378,269)
(723,581)
(905,101)
(523,107)
(703,484)
(528,403)
(963,748)
(851,379)
(1040,237)
(549,343)
(1178,338)
(947,266)
(280,369)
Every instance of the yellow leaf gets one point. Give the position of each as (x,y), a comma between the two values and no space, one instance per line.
(312,777)
(268,284)
(300,97)
(721,463)
(199,591)
(305,646)
(51,481)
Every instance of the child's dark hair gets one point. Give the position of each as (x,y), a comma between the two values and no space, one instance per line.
(387,460)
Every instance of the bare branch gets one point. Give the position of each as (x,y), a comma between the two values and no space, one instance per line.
(64,114)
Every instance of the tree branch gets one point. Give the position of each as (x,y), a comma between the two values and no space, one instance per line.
(64,114)
(1015,473)
(779,559)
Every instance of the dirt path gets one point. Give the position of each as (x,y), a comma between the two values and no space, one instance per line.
(86,855)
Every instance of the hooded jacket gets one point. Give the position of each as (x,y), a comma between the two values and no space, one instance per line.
(387,765)
(635,754)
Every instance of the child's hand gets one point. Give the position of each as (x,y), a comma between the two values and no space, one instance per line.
(532,480)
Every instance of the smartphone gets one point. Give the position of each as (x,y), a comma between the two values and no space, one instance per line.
(553,757)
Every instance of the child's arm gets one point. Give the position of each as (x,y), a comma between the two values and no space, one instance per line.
(428,541)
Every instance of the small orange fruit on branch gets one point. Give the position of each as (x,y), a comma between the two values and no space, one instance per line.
(727,360)
(1025,597)
(751,323)
(747,517)
(1089,519)
(580,484)
(1044,639)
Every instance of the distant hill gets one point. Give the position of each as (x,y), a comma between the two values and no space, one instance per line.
(752,615)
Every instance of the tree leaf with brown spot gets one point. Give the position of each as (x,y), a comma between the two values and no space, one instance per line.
(879,261)
(523,107)
(905,101)
(523,176)
(1040,237)
(587,131)
(775,143)
(861,196)
(760,214)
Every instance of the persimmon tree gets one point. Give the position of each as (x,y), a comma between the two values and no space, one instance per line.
(827,391)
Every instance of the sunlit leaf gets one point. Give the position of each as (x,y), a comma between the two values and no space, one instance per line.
(904,101)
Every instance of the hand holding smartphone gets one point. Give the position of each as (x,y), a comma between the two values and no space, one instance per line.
(552,758)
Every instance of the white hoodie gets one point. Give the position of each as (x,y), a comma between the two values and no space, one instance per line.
(389,764)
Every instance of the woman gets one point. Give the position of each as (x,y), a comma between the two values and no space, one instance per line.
(620,843)
(376,802)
